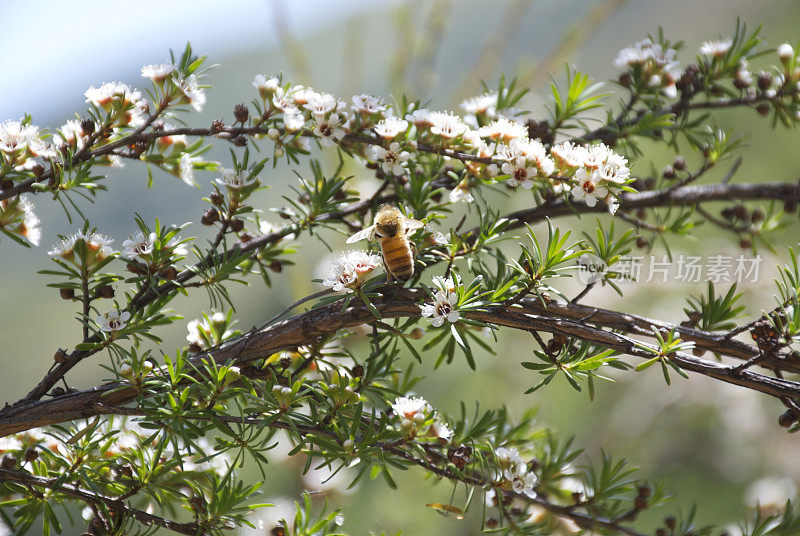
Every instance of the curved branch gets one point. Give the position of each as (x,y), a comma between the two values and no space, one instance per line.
(309,326)
(90,497)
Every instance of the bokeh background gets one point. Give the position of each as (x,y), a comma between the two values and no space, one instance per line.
(712,444)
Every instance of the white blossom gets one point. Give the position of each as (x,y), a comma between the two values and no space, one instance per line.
(350,268)
(158,73)
(519,173)
(103,96)
(447,125)
(192,92)
(320,104)
(569,156)
(413,409)
(266,86)
(17,216)
(138,245)
(186,169)
(392,158)
(523,484)
(368,104)
(461,193)
(485,104)
(235,181)
(293,120)
(113,320)
(329,130)
(390,127)
(503,129)
(421,118)
(588,188)
(443,307)
(715,49)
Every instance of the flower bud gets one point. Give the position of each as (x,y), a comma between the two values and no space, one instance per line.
(679,163)
(273,134)
(785,53)
(67,293)
(276,266)
(126,371)
(416,334)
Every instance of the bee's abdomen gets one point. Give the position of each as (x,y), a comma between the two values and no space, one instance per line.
(398,257)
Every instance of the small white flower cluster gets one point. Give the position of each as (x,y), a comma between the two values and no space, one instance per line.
(22,146)
(657,65)
(98,247)
(17,216)
(418,418)
(350,269)
(515,471)
(597,171)
(126,102)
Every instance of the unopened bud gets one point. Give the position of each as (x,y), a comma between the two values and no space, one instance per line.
(276,266)
(67,293)
(195,348)
(669,172)
(785,53)
(763,108)
(8,462)
(215,199)
(416,334)
(273,133)
(625,80)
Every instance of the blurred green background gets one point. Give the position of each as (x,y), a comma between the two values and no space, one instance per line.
(711,444)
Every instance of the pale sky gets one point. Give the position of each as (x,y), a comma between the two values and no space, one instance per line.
(51,48)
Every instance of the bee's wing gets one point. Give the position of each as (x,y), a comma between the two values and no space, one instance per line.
(412,224)
(362,234)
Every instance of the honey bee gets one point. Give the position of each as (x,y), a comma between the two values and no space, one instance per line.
(391,228)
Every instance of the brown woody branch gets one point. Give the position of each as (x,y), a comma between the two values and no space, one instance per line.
(571,320)
(111,503)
